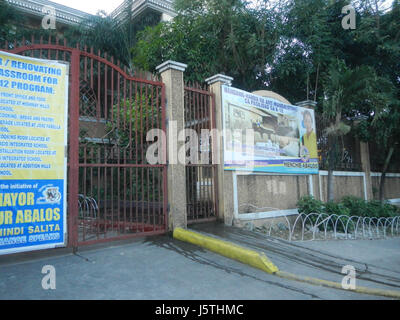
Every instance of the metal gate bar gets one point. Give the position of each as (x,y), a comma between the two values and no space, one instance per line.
(201,178)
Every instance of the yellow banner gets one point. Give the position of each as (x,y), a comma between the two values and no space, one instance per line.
(33,119)
(33,143)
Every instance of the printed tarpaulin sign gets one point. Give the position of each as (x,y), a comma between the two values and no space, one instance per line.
(33,164)
(265,135)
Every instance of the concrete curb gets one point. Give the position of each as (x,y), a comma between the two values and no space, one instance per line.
(336,285)
(253,258)
(260,261)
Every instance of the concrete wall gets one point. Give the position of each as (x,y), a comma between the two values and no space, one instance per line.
(270,192)
(343,186)
(262,198)
(392,186)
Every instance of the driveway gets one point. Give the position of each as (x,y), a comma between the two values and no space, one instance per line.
(158,268)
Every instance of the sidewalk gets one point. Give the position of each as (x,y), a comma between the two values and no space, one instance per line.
(377,262)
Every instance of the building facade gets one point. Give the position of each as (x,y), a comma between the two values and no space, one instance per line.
(35,10)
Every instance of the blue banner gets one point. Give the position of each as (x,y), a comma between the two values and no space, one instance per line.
(31,213)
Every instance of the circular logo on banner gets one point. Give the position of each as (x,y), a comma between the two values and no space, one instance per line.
(50,195)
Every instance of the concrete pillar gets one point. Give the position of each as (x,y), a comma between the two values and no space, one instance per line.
(172,76)
(366,167)
(309,104)
(224,192)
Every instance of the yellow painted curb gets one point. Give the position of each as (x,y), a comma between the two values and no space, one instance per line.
(331,284)
(260,261)
(253,258)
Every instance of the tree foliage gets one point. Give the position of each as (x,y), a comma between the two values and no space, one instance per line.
(350,73)
(112,35)
(214,37)
(8,18)
(297,48)
(15,26)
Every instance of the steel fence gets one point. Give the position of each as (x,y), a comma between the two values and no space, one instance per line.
(113,192)
(201,176)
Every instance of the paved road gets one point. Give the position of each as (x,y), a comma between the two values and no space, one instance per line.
(155,268)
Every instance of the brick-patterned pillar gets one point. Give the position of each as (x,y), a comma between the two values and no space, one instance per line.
(172,77)
(224,192)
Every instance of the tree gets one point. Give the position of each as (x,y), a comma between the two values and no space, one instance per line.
(305,66)
(115,36)
(345,90)
(387,136)
(377,44)
(16,27)
(310,40)
(382,129)
(8,18)
(214,37)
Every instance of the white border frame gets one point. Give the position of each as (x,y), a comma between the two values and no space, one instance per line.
(267,214)
(343,174)
(388,175)
(280,213)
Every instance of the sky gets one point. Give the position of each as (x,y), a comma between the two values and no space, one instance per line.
(91,6)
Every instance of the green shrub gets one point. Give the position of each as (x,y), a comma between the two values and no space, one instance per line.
(357,206)
(348,206)
(376,209)
(336,208)
(308,204)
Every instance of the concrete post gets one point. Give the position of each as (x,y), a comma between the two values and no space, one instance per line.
(172,76)
(224,192)
(366,167)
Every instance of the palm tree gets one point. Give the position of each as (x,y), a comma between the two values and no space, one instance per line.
(115,35)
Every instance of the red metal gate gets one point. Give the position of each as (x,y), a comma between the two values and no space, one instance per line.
(113,192)
(201,179)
